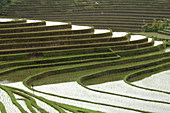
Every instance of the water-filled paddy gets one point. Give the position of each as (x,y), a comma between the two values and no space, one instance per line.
(5,20)
(74,90)
(120,93)
(158,81)
(119,34)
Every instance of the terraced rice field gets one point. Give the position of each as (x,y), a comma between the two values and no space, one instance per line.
(166,31)
(58,67)
(118,15)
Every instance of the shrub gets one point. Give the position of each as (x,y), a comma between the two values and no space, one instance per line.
(156,25)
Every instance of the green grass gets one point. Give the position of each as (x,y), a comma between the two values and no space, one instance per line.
(2,108)
(20,75)
(67,77)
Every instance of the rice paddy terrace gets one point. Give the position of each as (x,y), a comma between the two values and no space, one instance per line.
(119,15)
(57,67)
(166,31)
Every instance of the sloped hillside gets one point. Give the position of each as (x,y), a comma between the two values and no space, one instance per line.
(57,67)
(119,15)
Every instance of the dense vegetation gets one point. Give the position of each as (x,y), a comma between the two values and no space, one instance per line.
(157,25)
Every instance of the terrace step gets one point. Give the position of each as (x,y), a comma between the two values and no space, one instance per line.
(144,58)
(86,53)
(46,33)
(64,47)
(11,21)
(11,25)
(54,10)
(55,38)
(83,42)
(33,29)
(166,32)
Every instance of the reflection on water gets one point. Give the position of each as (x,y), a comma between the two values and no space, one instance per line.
(32,21)
(5,19)
(74,90)
(137,37)
(77,27)
(167,50)
(158,43)
(97,31)
(158,81)
(119,34)
(51,23)
(150,39)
